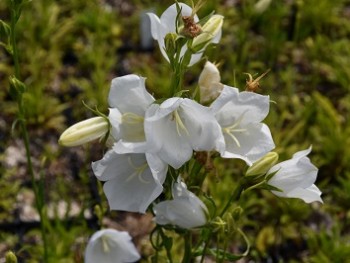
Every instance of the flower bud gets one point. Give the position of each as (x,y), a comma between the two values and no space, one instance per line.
(84,131)
(186,210)
(209,83)
(261,6)
(170,44)
(209,30)
(263,165)
(10,257)
(16,87)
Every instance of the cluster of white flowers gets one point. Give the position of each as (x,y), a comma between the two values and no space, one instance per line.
(148,136)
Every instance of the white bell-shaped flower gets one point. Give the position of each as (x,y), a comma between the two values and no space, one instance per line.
(177,127)
(296,177)
(128,100)
(111,246)
(132,181)
(185,210)
(239,115)
(166,24)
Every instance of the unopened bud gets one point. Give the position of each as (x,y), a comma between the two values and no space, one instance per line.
(209,30)
(261,6)
(209,83)
(16,86)
(84,131)
(10,257)
(170,44)
(263,165)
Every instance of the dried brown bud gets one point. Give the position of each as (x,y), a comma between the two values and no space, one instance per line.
(191,28)
(253,84)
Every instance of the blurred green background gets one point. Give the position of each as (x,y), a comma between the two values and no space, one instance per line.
(71,49)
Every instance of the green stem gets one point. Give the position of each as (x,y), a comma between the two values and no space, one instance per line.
(187,247)
(39,202)
(206,245)
(234,197)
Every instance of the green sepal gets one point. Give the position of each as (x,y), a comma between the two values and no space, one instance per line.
(5,30)
(178,9)
(270,175)
(180,93)
(17,87)
(217,252)
(270,188)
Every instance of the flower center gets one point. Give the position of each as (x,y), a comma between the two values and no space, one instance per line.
(132,118)
(132,129)
(105,245)
(234,128)
(138,171)
(180,126)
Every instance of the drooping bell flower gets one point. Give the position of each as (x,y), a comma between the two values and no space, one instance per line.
(186,210)
(295,178)
(111,246)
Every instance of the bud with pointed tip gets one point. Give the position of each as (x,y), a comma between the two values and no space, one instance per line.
(263,165)
(10,257)
(84,131)
(210,30)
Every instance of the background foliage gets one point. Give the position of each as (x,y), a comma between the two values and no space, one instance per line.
(71,49)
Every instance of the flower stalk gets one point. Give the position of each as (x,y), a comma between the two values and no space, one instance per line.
(37,187)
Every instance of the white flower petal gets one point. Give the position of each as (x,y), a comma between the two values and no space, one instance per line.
(115,118)
(309,195)
(294,173)
(130,183)
(128,94)
(254,107)
(168,18)
(155,25)
(111,246)
(239,115)
(204,131)
(179,212)
(186,210)
(177,127)
(254,143)
(296,177)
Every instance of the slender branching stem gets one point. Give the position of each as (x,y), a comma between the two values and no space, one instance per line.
(39,198)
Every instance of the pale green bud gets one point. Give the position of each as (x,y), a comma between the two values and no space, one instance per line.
(263,165)
(209,31)
(84,131)
(170,42)
(261,6)
(16,86)
(10,257)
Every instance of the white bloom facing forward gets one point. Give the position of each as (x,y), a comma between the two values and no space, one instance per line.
(111,246)
(185,210)
(239,115)
(133,181)
(129,99)
(296,177)
(166,24)
(177,127)
(209,83)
